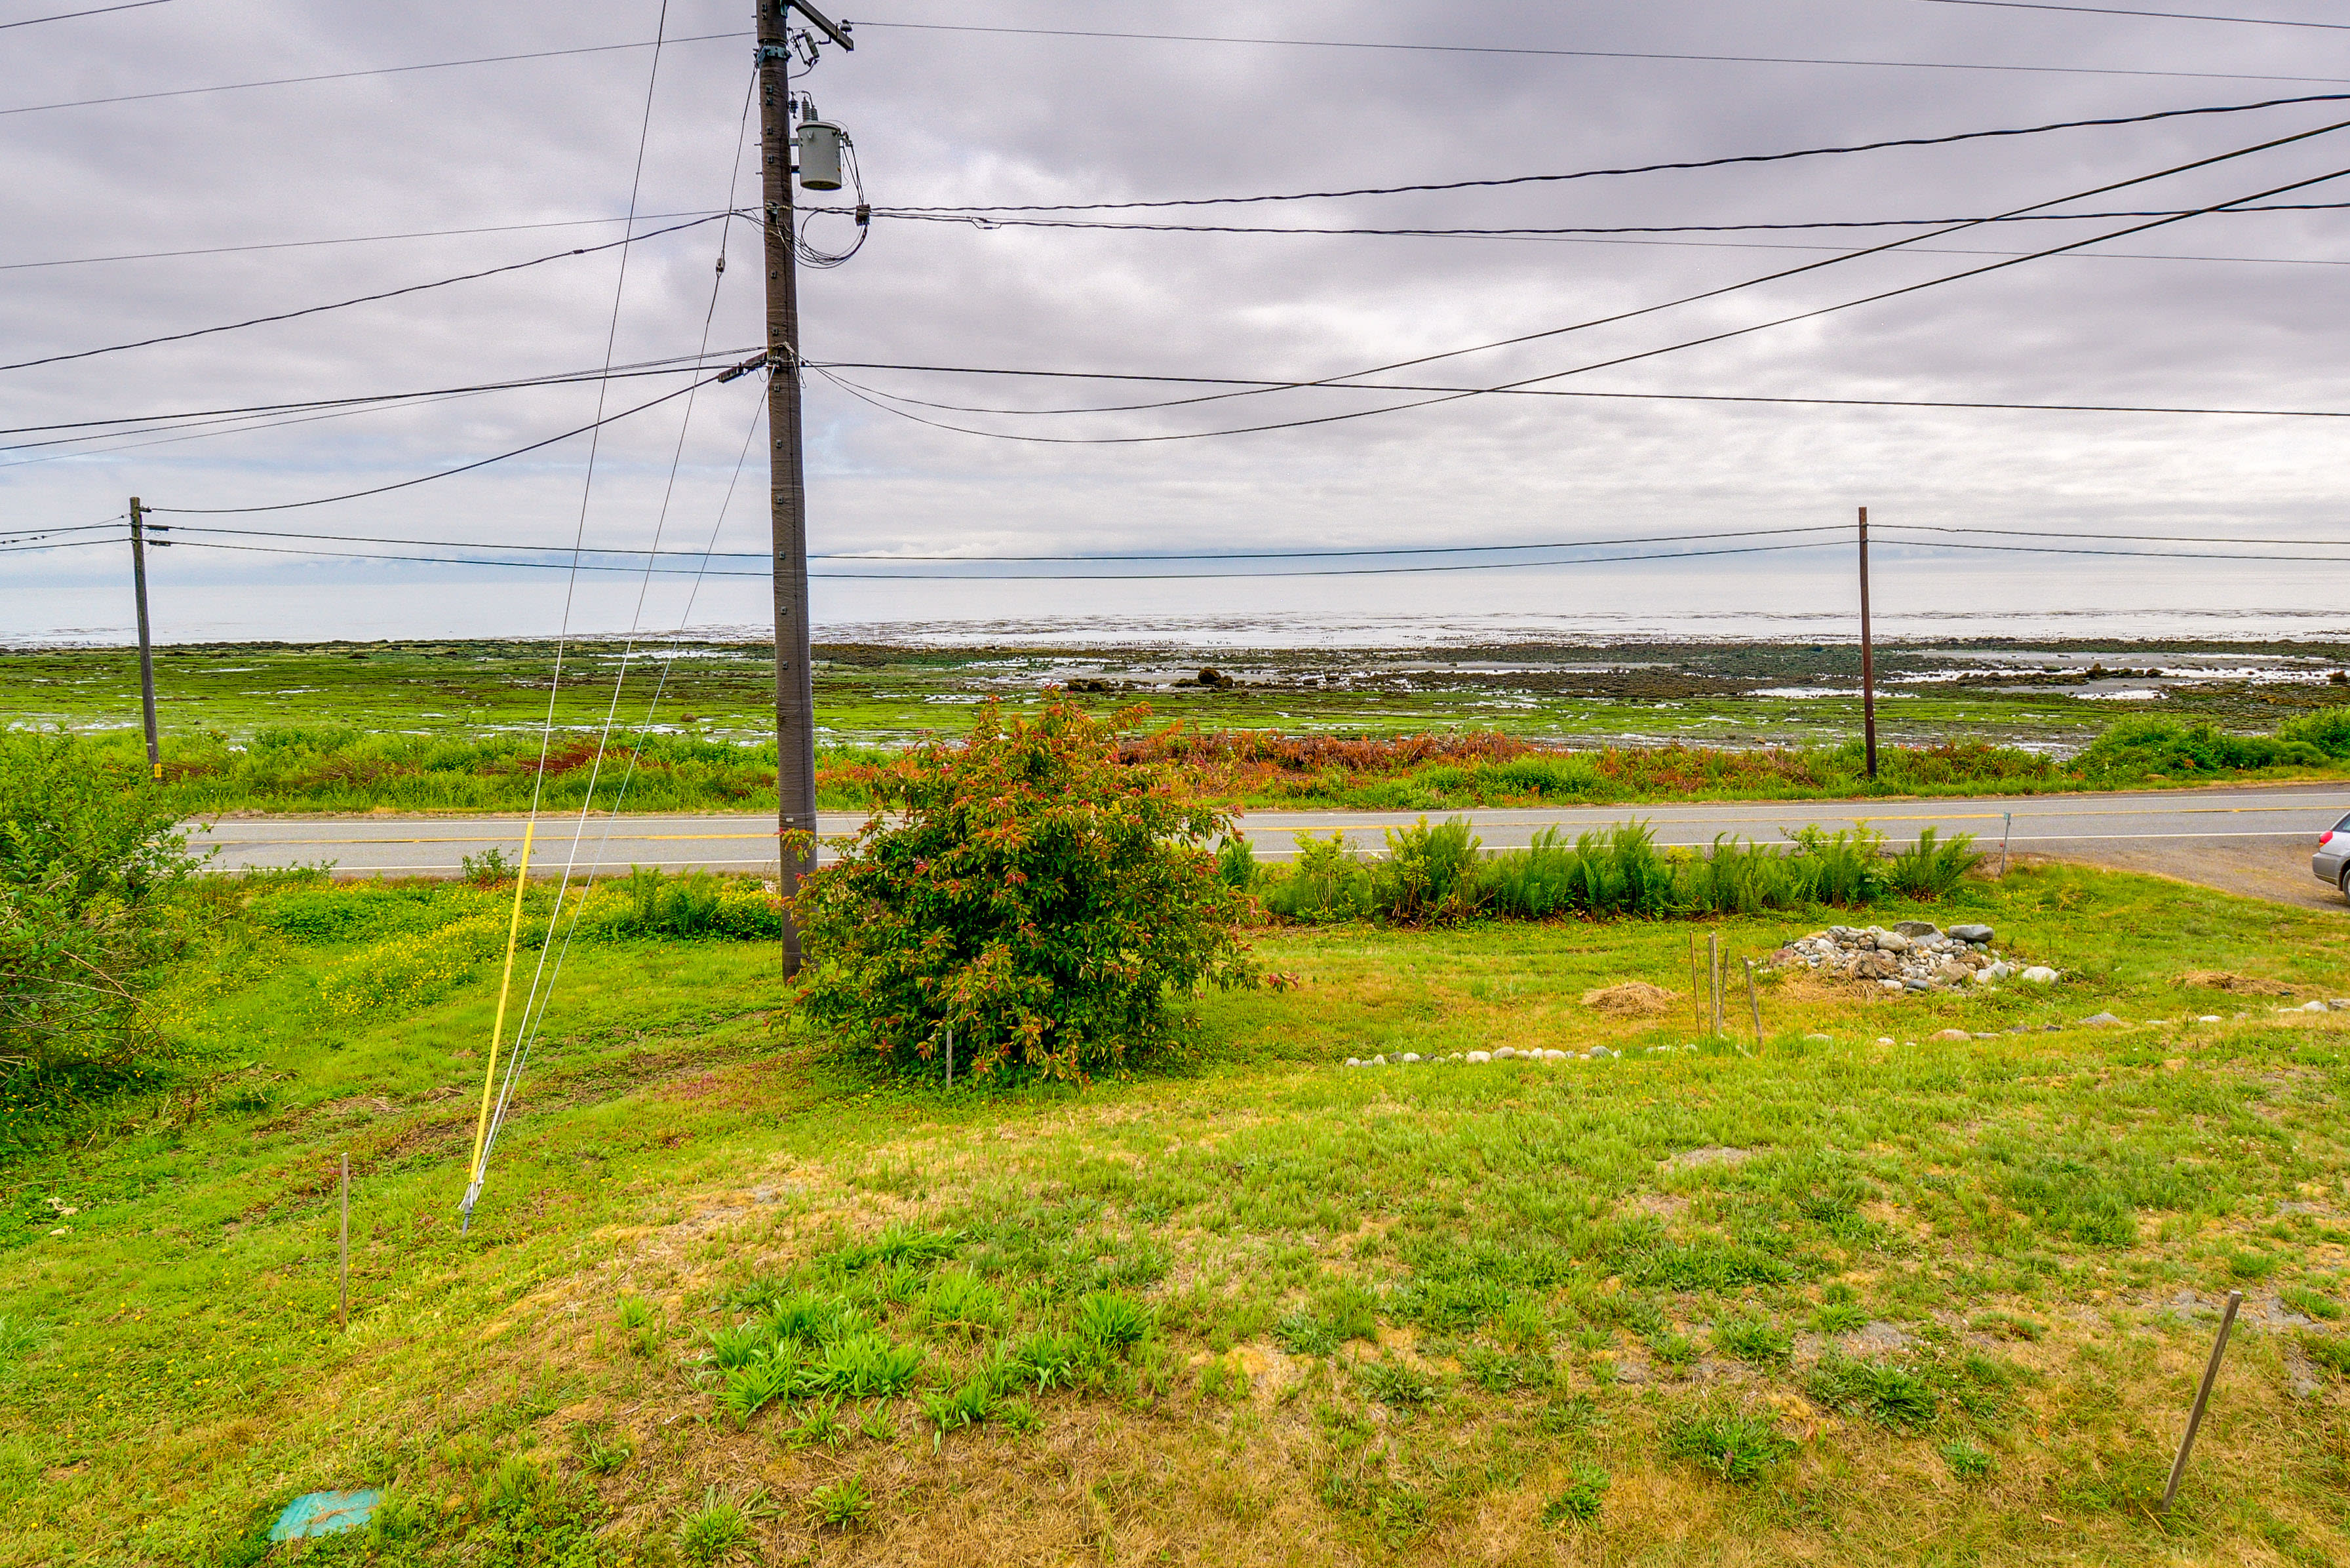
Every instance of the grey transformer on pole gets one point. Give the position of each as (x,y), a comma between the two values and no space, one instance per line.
(794,689)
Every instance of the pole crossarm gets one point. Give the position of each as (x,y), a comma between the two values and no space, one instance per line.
(836,31)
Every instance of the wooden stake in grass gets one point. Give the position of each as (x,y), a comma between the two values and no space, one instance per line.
(343,1248)
(1756,1003)
(2203,1398)
(1714,977)
(1697,1016)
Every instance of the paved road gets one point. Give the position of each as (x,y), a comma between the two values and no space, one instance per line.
(2254,840)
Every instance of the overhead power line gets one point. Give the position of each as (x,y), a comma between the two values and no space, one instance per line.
(68,544)
(443,473)
(1727,161)
(69,15)
(1644,235)
(362,299)
(1587,54)
(2124,11)
(345,240)
(351,76)
(1837,542)
(1694,342)
(183,529)
(1539,231)
(1204,38)
(1352,386)
(1841,542)
(674,365)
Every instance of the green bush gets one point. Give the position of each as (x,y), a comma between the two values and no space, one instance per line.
(2147,743)
(1327,881)
(1026,891)
(2328,730)
(88,859)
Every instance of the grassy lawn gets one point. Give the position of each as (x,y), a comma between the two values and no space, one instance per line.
(1827,1300)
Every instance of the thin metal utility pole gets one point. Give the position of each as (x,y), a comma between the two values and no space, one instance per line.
(1867,654)
(794,689)
(146,643)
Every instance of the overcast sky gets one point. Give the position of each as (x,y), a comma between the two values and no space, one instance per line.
(2224,310)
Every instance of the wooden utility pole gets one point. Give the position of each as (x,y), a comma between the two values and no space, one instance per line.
(146,642)
(1867,654)
(795,689)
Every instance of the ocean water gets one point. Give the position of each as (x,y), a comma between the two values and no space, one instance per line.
(1912,599)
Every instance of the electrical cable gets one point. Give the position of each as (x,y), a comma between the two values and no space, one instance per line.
(485,1132)
(1539,231)
(2121,11)
(371,71)
(1587,54)
(363,299)
(206,428)
(1904,243)
(527,1032)
(1840,542)
(202,430)
(69,15)
(1288,386)
(192,528)
(445,560)
(1199,38)
(1678,166)
(345,240)
(861,212)
(1623,237)
(2116,538)
(50,530)
(444,474)
(671,364)
(68,544)
(183,529)
(1668,349)
(2147,555)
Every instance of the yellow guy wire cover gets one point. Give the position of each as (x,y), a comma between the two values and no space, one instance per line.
(505,984)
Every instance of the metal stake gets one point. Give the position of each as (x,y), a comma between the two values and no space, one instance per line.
(2203,1398)
(1697,1017)
(343,1309)
(1714,977)
(1756,1003)
(950,1058)
(2007,827)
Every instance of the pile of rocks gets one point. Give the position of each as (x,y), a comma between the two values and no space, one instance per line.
(1913,955)
(1508,1053)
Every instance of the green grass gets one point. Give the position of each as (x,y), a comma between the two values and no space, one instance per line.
(1251,1300)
